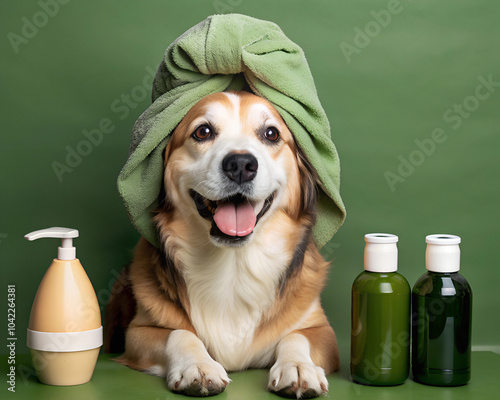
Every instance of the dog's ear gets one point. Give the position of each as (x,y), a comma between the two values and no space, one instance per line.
(164,203)
(168,151)
(309,189)
(306,213)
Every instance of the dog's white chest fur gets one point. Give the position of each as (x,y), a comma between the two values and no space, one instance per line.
(229,290)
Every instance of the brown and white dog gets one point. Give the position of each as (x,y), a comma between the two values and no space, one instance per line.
(236,283)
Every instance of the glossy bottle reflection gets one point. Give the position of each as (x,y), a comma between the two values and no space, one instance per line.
(380,340)
(441,317)
(380,317)
(442,312)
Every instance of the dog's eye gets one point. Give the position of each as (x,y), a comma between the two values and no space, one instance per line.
(272,134)
(203,132)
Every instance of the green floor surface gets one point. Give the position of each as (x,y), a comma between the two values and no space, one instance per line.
(114,381)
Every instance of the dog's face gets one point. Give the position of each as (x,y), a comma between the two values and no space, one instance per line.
(230,164)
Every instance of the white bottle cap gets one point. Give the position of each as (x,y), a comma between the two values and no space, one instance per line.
(442,253)
(381,252)
(66,251)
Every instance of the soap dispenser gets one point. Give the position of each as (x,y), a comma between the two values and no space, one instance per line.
(65,331)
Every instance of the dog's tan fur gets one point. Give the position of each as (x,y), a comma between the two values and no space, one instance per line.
(160,278)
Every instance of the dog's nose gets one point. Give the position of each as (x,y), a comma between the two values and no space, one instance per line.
(240,167)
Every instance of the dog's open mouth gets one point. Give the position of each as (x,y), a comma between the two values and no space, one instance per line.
(234,217)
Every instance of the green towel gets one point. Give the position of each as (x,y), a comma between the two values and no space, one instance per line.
(230,52)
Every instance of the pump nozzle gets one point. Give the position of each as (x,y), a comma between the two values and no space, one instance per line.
(66,251)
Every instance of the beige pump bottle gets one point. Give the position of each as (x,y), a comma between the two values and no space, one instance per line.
(65,331)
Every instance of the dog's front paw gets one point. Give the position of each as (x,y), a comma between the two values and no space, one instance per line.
(301,380)
(199,379)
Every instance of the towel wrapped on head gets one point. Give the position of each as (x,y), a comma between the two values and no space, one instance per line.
(231,52)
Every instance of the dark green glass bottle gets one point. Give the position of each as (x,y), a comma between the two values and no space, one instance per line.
(380,317)
(441,317)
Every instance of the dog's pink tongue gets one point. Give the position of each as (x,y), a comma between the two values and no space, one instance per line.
(235,219)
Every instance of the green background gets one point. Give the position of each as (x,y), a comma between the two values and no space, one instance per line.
(398,82)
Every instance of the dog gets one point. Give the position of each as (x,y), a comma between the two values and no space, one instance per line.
(236,281)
